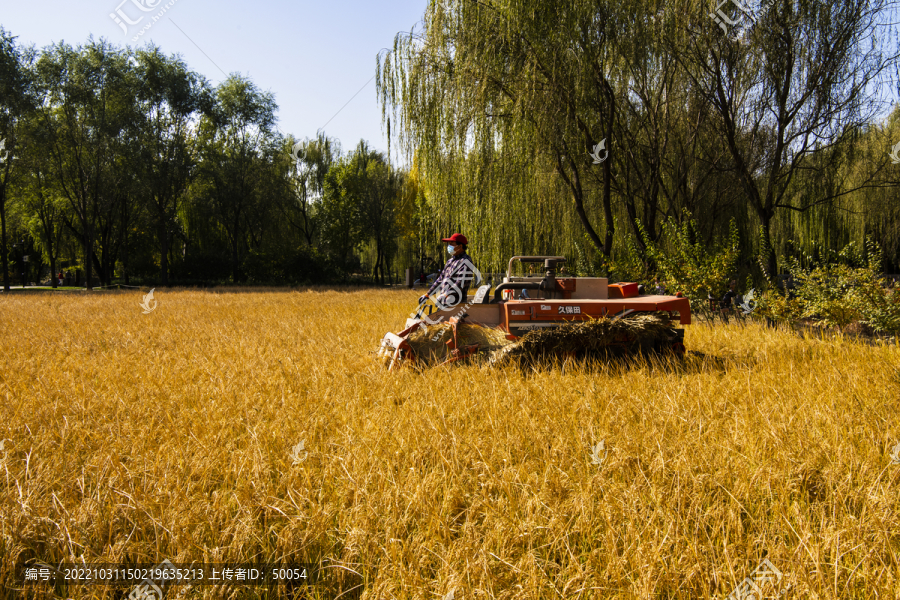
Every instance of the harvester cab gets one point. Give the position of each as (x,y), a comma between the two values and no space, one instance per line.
(547,284)
(566,316)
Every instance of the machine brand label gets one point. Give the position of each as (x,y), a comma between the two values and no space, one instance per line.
(518,312)
(546,307)
(569,310)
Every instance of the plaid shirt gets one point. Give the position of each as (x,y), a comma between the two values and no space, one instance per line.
(456,275)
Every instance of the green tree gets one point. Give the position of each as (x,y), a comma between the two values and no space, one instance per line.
(791,86)
(342,224)
(307,184)
(88,106)
(522,88)
(378,190)
(171,99)
(39,200)
(237,151)
(362,197)
(16,101)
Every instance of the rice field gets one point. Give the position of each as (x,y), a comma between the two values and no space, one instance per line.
(176,435)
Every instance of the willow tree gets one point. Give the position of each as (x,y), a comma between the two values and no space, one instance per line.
(792,84)
(501,92)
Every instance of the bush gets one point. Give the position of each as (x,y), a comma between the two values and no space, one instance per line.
(584,266)
(632,265)
(697,270)
(201,265)
(309,265)
(841,289)
(824,293)
(876,302)
(775,306)
(302,265)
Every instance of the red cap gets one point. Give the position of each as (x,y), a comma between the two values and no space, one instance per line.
(456,238)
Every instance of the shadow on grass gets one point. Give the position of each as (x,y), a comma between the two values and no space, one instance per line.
(616,362)
(609,362)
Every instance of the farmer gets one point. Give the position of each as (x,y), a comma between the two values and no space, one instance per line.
(659,287)
(452,284)
(728,300)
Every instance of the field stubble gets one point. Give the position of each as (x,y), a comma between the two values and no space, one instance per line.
(137,437)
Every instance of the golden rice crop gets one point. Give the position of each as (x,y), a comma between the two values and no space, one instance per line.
(174,435)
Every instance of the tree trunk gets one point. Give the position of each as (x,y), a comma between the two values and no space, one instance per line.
(97,262)
(234,259)
(125,247)
(574,184)
(164,254)
(379,268)
(88,255)
(107,270)
(377,263)
(607,209)
(771,262)
(3,253)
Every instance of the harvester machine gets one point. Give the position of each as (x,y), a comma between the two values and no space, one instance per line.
(541,316)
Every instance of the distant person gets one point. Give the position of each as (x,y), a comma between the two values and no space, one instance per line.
(60,277)
(728,299)
(658,287)
(789,286)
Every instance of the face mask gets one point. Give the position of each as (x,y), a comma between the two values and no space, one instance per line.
(451,249)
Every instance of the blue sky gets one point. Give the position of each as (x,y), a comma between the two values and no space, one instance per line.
(313,56)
